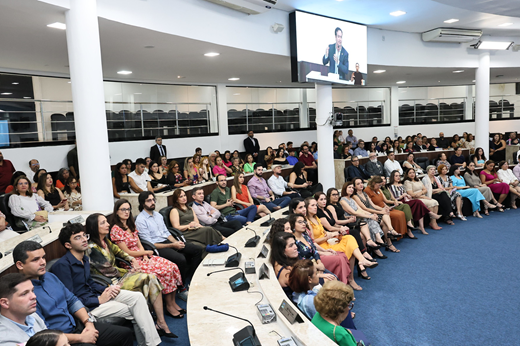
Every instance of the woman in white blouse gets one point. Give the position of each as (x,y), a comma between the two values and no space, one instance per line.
(469,143)
(507,176)
(27,205)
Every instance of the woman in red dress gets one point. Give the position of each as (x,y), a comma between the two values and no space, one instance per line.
(240,195)
(124,234)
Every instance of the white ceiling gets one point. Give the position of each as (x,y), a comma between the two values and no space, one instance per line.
(28,45)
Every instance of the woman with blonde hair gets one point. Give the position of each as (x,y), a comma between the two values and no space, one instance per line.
(205,169)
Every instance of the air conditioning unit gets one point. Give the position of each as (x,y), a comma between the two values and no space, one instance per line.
(247,6)
(451,35)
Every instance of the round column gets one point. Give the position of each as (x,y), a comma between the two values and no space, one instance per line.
(325,134)
(482,103)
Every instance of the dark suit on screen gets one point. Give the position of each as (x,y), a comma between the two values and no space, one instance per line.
(343,61)
(155,153)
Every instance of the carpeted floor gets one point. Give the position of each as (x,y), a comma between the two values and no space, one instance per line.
(456,286)
(178,327)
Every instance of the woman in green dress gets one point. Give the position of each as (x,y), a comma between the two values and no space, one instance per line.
(102,253)
(249,166)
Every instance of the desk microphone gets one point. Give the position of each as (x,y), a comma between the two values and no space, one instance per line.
(268,222)
(245,336)
(252,242)
(237,282)
(233,260)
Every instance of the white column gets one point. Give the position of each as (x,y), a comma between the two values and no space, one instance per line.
(89,105)
(304,110)
(394,110)
(223,131)
(468,100)
(325,134)
(482,102)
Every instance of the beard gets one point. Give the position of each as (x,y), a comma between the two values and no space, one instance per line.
(150,208)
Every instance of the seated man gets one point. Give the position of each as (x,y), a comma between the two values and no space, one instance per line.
(419,146)
(58,307)
(360,150)
(292,159)
(356,170)
(18,318)
(73,270)
(458,159)
(278,184)
(337,155)
(221,200)
(310,164)
(259,189)
(374,167)
(141,179)
(152,228)
(392,165)
(209,216)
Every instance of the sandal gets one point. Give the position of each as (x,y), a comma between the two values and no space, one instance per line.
(389,248)
(394,233)
(360,274)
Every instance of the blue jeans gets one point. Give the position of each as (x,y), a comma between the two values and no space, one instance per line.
(281,202)
(244,215)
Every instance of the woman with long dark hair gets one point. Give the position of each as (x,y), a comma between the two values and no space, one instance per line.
(120,180)
(473,180)
(298,178)
(73,194)
(497,149)
(61,178)
(283,255)
(479,158)
(48,337)
(50,193)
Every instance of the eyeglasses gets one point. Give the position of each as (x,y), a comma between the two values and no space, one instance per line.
(351,305)
(150,200)
(80,236)
(302,222)
(125,210)
(334,194)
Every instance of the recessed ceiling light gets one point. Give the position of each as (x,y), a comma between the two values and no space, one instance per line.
(397,13)
(438,81)
(234,78)
(57,25)
(210,54)
(449,21)
(379,71)
(15,83)
(400,82)
(6,93)
(458,71)
(124,72)
(26,97)
(180,77)
(506,24)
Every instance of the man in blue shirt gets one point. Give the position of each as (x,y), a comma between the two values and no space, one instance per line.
(58,307)
(73,270)
(292,159)
(360,150)
(18,320)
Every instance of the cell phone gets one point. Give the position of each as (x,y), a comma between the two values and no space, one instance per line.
(64,200)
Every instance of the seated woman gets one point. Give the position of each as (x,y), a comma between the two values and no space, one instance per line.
(479,158)
(443,160)
(28,205)
(10,187)
(396,147)
(72,193)
(470,143)
(455,142)
(226,159)
(507,176)
(433,144)
(400,214)
(61,178)
(298,178)
(174,178)
(249,166)
(279,225)
(54,196)
(333,304)
(185,220)
(497,149)
(432,193)
(147,161)
(347,151)
(339,265)
(447,185)
(124,234)
(205,170)
(163,168)
(472,180)
(236,154)
(466,191)
(220,168)
(346,244)
(236,168)
(489,177)
(418,209)
(408,148)
(197,161)
(240,194)
(120,180)
(268,158)
(280,158)
(158,181)
(36,177)
(191,172)
(102,254)
(283,255)
(410,163)
(304,281)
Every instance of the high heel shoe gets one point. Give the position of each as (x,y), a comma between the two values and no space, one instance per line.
(162,332)
(364,277)
(462,217)
(373,247)
(387,248)
(380,244)
(166,312)
(407,235)
(379,256)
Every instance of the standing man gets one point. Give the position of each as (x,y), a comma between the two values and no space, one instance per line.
(259,189)
(336,56)
(157,150)
(6,173)
(252,146)
(59,308)
(221,200)
(310,164)
(18,319)
(373,166)
(443,142)
(34,166)
(351,138)
(72,161)
(357,77)
(278,184)
(140,180)
(210,216)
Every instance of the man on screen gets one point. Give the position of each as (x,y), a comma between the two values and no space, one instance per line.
(337,56)
(357,77)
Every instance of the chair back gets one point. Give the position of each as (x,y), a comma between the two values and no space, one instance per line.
(16,223)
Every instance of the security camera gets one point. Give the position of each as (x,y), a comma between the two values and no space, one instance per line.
(338,119)
(277,27)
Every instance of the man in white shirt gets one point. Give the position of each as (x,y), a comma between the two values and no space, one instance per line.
(392,165)
(34,166)
(278,185)
(140,180)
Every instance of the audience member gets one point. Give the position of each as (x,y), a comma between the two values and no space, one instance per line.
(191,172)
(174,177)
(236,168)
(73,270)
(455,142)
(212,157)
(6,172)
(278,184)
(158,150)
(140,180)
(283,255)
(221,200)
(479,158)
(351,138)
(472,180)
(51,194)
(419,146)
(396,147)
(226,160)
(72,193)
(433,190)
(27,205)
(59,308)
(470,143)
(15,175)
(497,149)
(48,337)
(489,177)
(61,178)
(292,159)
(373,166)
(147,161)
(347,151)
(34,165)
(443,161)
(261,191)
(198,151)
(163,168)
(310,164)
(465,191)
(249,166)
(408,147)
(240,194)
(205,170)
(152,228)
(447,185)
(458,159)
(355,170)
(280,158)
(220,168)
(360,150)
(268,158)
(506,176)
(443,142)
(72,161)
(251,145)
(128,164)
(433,145)
(157,180)
(120,180)
(392,165)
(5,232)
(422,191)
(210,216)
(410,163)
(337,156)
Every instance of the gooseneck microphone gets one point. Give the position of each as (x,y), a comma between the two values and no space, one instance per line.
(268,222)
(244,336)
(224,270)
(233,260)
(252,242)
(237,282)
